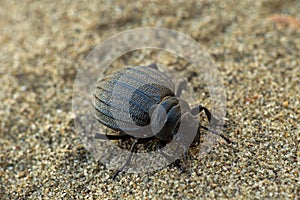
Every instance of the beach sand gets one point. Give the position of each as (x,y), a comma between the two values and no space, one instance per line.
(256,46)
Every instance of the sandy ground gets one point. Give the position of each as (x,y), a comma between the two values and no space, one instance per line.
(256,46)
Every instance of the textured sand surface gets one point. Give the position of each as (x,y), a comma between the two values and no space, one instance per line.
(255,45)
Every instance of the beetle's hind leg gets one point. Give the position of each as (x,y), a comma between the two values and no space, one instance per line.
(183,82)
(181,86)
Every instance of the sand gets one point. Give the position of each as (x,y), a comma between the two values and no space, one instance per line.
(256,46)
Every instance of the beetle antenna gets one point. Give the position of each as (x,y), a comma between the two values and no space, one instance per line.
(216,133)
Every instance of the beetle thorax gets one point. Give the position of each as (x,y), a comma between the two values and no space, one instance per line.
(165,117)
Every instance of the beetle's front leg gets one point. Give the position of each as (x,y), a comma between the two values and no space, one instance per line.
(198,109)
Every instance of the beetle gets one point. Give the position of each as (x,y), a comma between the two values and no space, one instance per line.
(139,102)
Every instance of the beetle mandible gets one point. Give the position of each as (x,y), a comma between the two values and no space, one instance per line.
(155,110)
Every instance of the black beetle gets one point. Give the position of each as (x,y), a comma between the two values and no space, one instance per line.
(152,109)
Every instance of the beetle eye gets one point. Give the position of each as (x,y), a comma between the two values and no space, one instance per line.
(158,117)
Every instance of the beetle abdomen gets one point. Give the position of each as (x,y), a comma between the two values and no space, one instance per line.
(123,99)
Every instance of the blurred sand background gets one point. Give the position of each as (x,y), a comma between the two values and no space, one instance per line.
(256,45)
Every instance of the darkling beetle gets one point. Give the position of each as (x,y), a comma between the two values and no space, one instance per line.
(112,114)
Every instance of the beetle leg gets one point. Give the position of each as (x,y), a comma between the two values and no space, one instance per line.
(159,147)
(128,160)
(153,66)
(198,109)
(176,162)
(110,137)
(181,86)
(191,75)
(169,159)
(219,134)
(183,82)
